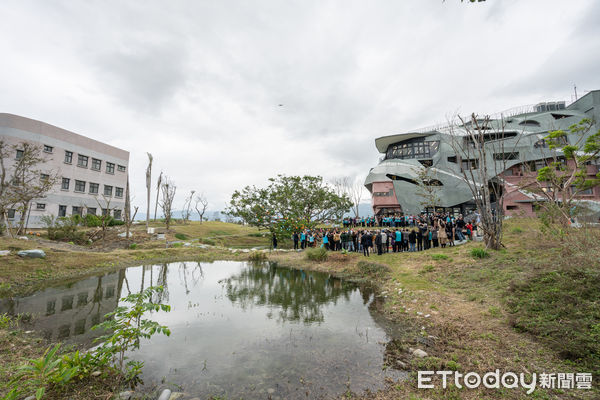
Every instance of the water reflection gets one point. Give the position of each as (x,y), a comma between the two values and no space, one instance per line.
(238,330)
(290,295)
(67,312)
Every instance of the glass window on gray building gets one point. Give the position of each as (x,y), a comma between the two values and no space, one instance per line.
(11,213)
(40,206)
(48,149)
(68,157)
(94,188)
(117,214)
(96,164)
(108,190)
(82,161)
(91,210)
(77,211)
(110,168)
(62,211)
(119,192)
(79,186)
(65,183)
(121,168)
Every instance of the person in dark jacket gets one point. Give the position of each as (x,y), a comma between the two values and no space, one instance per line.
(366,242)
(420,238)
(274,239)
(412,239)
(296,238)
(379,244)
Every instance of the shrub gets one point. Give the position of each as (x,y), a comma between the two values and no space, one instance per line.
(181,236)
(64,229)
(479,252)
(318,254)
(133,246)
(371,268)
(209,242)
(92,221)
(257,256)
(516,230)
(439,257)
(178,244)
(427,268)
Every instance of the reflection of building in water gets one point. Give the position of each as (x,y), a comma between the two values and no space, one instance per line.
(68,312)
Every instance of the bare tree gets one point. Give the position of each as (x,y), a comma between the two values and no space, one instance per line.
(428,186)
(201,205)
(158,183)
(351,187)
(128,217)
(480,145)
(105,211)
(187,207)
(168,190)
(25,181)
(148,188)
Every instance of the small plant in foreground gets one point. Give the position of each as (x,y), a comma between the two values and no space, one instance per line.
(371,268)
(479,252)
(181,236)
(128,328)
(133,246)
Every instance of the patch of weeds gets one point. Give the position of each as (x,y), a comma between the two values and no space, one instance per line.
(181,236)
(494,311)
(257,256)
(133,246)
(209,242)
(439,257)
(452,365)
(516,230)
(371,268)
(178,244)
(427,268)
(479,252)
(318,254)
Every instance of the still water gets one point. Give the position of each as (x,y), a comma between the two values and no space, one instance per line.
(238,330)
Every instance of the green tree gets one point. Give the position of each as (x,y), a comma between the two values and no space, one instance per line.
(288,204)
(565,177)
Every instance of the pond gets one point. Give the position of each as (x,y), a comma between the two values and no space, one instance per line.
(238,330)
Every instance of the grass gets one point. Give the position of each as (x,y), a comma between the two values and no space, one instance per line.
(479,252)
(532,306)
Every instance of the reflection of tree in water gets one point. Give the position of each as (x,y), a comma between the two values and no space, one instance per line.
(298,295)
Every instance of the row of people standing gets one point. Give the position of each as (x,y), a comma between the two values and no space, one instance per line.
(439,231)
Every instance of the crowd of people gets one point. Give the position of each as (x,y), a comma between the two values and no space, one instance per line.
(393,233)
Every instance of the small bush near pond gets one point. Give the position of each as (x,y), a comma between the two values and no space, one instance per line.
(318,254)
(181,236)
(178,244)
(439,257)
(479,252)
(209,242)
(371,268)
(133,246)
(257,256)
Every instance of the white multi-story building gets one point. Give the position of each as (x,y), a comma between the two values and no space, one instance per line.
(90,172)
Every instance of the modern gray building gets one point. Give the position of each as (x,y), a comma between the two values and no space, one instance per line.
(393,182)
(92,174)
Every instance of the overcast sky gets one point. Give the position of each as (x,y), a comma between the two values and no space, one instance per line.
(199,84)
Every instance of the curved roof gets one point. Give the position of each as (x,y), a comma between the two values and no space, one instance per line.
(383,142)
